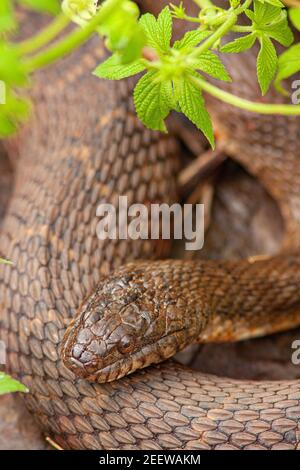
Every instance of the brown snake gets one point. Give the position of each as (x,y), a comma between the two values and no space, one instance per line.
(86,146)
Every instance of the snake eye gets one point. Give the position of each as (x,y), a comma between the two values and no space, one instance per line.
(126,344)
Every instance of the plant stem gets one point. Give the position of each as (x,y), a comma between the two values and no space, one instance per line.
(192,19)
(5,261)
(203,3)
(242,29)
(72,41)
(260,108)
(243,7)
(220,32)
(45,36)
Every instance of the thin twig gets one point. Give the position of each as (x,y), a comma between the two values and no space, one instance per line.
(200,168)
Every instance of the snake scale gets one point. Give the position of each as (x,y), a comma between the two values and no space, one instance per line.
(84,146)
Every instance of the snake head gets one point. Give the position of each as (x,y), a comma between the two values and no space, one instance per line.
(128,323)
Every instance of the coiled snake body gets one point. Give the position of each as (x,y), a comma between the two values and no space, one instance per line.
(86,146)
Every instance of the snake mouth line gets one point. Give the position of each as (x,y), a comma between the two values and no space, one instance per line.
(164,348)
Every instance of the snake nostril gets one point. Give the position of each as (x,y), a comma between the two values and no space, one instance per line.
(126,344)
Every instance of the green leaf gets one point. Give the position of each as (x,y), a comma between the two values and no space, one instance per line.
(191,39)
(280,31)
(158,32)
(193,106)
(153,101)
(250,15)
(12,113)
(240,44)
(45,6)
(266,64)
(269,22)
(164,24)
(8,385)
(294,14)
(7,19)
(288,65)
(149,25)
(114,69)
(272,21)
(276,3)
(265,13)
(209,63)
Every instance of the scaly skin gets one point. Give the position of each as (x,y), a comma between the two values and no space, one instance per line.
(147,311)
(85,146)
